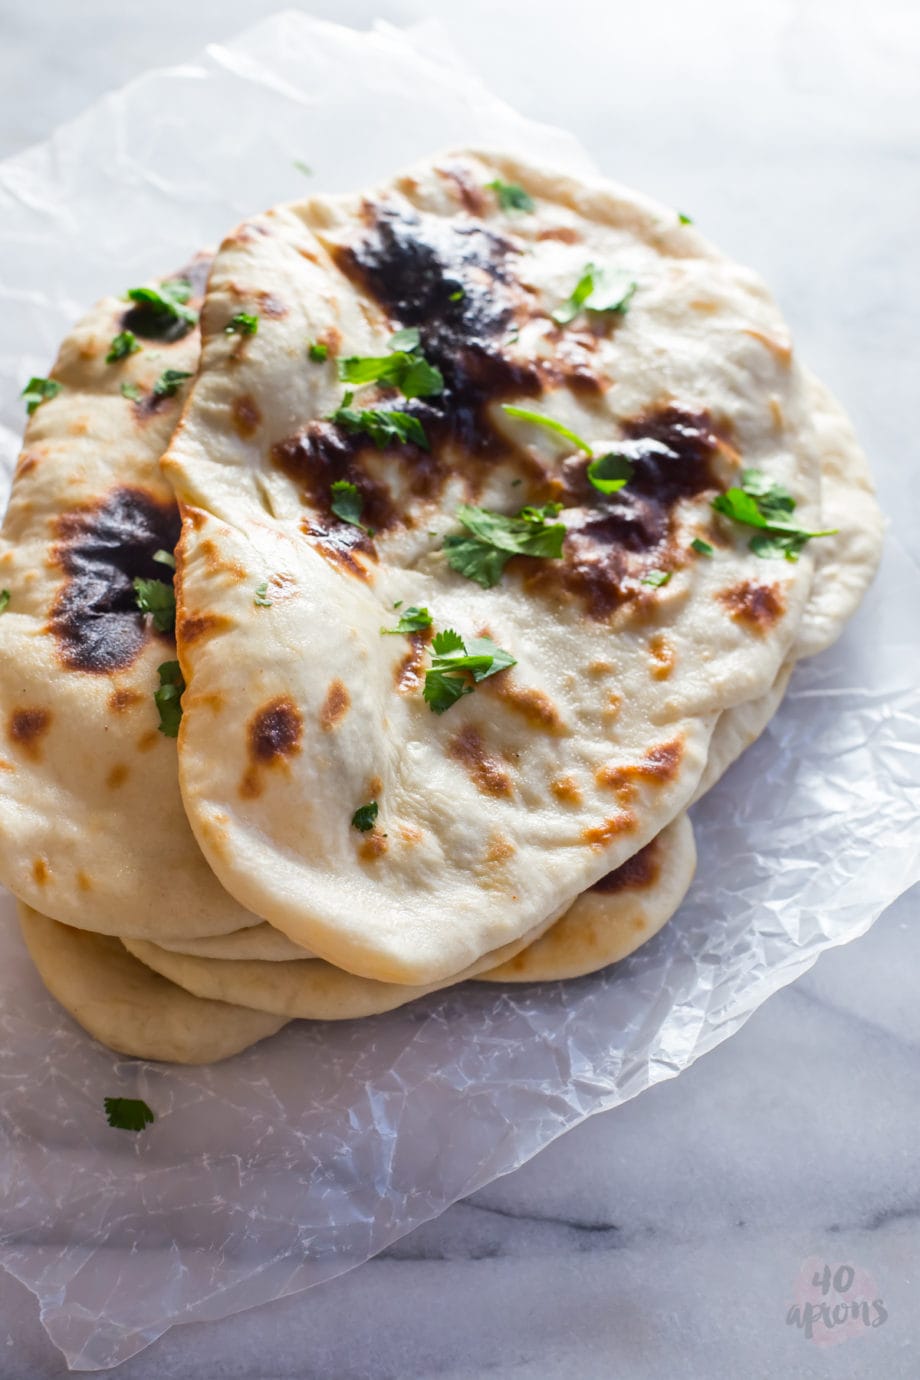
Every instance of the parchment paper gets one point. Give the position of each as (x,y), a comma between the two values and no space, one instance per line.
(313,1151)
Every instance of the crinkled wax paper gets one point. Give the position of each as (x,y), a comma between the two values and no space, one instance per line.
(313,1151)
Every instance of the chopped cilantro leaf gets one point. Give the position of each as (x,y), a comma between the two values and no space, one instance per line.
(242,323)
(157,598)
(346,502)
(702,548)
(38,391)
(131,392)
(494,538)
(166,302)
(169,382)
(760,502)
(318,352)
(123,344)
(127,1113)
(525,414)
(609,473)
(684,220)
(302,167)
(406,368)
(168,698)
(165,558)
(656,578)
(260,598)
(598,290)
(5,598)
(365,817)
(511,197)
(457,296)
(413,620)
(385,428)
(458,667)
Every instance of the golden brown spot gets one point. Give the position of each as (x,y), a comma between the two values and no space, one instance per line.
(657,767)
(758,607)
(705,306)
(5,765)
(26,729)
(80,427)
(374,787)
(601,834)
(485,771)
(40,871)
(533,705)
(340,547)
(612,711)
(194,516)
(271,306)
(776,414)
(780,349)
(148,740)
(470,194)
(245,416)
(28,461)
(500,849)
(373,846)
(566,790)
(191,629)
(335,706)
(250,785)
(275,731)
(599,668)
(117,776)
(664,657)
(641,870)
(213,700)
(408,673)
(215,563)
(83,881)
(409,834)
(565,234)
(120,700)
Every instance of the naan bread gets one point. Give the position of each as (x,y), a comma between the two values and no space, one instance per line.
(129,1008)
(551,774)
(92,830)
(605,924)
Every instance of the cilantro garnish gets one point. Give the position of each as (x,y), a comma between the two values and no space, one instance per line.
(168,384)
(684,220)
(525,414)
(131,392)
(38,391)
(598,290)
(759,502)
(608,473)
(365,816)
(511,196)
(242,323)
(167,301)
(405,368)
(457,296)
(458,667)
(384,427)
(318,351)
(494,538)
(165,558)
(168,698)
(123,344)
(260,598)
(157,598)
(413,620)
(703,548)
(127,1113)
(656,578)
(346,502)
(302,167)
(5,598)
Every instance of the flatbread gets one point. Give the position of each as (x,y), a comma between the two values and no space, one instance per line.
(129,1008)
(92,830)
(550,775)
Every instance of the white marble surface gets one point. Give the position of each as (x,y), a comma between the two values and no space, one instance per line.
(664,1238)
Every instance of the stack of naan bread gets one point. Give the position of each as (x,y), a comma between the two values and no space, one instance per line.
(346,820)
